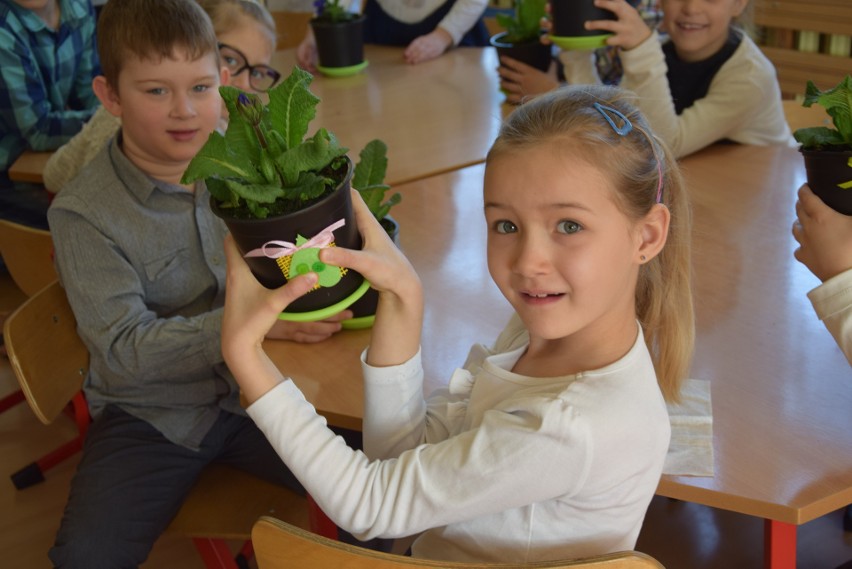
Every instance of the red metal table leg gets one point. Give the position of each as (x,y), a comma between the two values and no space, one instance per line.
(215,553)
(779,545)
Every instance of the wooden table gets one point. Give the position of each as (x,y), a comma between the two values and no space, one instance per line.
(29,167)
(435,116)
(781,388)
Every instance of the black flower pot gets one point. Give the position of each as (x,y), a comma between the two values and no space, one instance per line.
(827,172)
(339,44)
(252,234)
(533,53)
(364,309)
(569,18)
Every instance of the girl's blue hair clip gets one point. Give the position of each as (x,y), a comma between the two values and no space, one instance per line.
(626,125)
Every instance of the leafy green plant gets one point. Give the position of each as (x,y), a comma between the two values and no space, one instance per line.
(264,165)
(837,102)
(524,25)
(333,10)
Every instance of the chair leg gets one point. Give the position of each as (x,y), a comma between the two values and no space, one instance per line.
(320,523)
(11,400)
(33,473)
(215,553)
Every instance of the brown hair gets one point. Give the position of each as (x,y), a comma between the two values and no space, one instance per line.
(151,30)
(225,14)
(634,163)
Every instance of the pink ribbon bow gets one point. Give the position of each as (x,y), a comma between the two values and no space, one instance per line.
(276,249)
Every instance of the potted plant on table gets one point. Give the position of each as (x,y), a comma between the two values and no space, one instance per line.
(339,36)
(284,195)
(523,29)
(828,151)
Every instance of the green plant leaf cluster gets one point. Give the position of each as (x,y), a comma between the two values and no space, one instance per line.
(369,177)
(333,10)
(837,102)
(265,164)
(524,25)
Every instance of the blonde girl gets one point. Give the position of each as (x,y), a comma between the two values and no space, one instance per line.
(550,444)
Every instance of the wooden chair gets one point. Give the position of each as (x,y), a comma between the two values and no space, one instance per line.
(28,255)
(279,545)
(796,35)
(224,504)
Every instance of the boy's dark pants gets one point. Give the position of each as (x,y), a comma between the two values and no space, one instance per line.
(131,482)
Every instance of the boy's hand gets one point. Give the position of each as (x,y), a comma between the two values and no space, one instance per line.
(519,80)
(308,332)
(824,236)
(427,47)
(629,29)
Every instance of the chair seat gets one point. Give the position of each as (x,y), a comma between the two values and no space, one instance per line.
(226,502)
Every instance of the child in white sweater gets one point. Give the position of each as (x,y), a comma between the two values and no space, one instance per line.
(550,444)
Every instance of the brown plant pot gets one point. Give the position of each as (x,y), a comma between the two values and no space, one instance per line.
(251,234)
(533,53)
(339,44)
(826,171)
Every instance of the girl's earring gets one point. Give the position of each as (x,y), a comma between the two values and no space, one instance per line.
(642,258)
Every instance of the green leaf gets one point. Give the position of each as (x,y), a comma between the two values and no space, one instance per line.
(818,137)
(837,102)
(372,165)
(292,107)
(314,154)
(525,24)
(260,193)
(215,161)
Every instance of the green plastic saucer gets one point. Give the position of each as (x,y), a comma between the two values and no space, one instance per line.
(580,42)
(323,313)
(359,323)
(343,71)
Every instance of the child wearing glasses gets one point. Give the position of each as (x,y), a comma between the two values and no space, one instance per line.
(246,34)
(550,444)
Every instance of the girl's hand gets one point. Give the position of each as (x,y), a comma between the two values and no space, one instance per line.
(399,316)
(824,236)
(629,30)
(251,311)
(427,47)
(519,80)
(306,52)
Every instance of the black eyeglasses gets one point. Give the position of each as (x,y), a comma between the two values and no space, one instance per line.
(261,77)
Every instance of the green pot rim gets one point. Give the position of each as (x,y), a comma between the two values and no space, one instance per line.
(328,311)
(359,323)
(343,71)
(580,42)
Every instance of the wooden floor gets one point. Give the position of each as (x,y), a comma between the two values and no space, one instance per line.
(680,535)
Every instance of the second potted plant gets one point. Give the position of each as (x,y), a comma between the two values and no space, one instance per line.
(521,39)
(284,195)
(339,36)
(828,151)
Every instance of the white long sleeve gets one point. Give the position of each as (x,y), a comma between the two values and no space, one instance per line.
(832,301)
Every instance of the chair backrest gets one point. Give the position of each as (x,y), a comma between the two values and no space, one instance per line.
(47,356)
(28,255)
(290,27)
(278,545)
(806,40)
